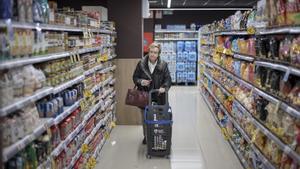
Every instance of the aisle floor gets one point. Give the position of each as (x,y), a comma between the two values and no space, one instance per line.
(197,140)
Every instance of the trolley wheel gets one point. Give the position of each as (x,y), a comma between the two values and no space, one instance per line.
(148,156)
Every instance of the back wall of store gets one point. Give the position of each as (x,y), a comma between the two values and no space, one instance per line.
(186,17)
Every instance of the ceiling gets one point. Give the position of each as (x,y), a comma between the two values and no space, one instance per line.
(202,3)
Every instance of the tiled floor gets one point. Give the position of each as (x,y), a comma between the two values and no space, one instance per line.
(197,140)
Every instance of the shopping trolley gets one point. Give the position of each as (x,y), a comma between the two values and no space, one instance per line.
(158,121)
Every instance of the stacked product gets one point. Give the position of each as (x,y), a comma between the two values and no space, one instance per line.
(252,79)
(168,54)
(57,85)
(179,49)
(186,65)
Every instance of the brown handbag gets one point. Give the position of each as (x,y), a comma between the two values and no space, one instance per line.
(137,98)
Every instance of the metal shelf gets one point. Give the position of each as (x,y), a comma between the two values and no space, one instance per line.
(176,39)
(51,27)
(75,132)
(67,112)
(237,32)
(94,69)
(259,31)
(243,57)
(175,31)
(265,161)
(292,111)
(270,135)
(87,141)
(43,58)
(22,102)
(239,154)
(13,149)
(282,30)
(99,148)
(68,84)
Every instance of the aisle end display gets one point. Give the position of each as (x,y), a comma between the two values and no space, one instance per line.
(179,50)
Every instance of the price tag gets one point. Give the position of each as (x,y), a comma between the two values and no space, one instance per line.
(287,150)
(287,74)
(20,146)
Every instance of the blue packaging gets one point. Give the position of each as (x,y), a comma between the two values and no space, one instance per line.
(55,107)
(180,46)
(179,57)
(67,98)
(180,66)
(191,76)
(237,67)
(6,9)
(184,76)
(49,110)
(60,105)
(185,56)
(179,77)
(187,46)
(193,46)
(192,56)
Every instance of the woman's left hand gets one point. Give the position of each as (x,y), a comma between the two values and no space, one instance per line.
(161,90)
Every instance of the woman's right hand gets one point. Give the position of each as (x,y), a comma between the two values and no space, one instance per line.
(145,82)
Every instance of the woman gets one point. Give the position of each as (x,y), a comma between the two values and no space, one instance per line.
(152,73)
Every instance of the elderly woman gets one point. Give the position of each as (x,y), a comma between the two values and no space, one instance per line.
(152,73)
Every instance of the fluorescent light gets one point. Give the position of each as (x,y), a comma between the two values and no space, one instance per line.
(199,9)
(169,3)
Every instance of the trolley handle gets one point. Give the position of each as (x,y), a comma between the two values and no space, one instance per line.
(157,91)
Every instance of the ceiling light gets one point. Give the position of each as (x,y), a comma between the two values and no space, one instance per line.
(152,2)
(169,4)
(200,9)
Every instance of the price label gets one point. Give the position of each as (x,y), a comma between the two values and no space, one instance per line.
(287,74)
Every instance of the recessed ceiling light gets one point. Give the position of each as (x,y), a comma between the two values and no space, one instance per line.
(169,4)
(153,2)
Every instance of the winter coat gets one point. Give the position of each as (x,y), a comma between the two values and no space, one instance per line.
(159,78)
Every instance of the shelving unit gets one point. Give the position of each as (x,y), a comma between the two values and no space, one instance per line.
(13,24)
(217,76)
(104,65)
(175,39)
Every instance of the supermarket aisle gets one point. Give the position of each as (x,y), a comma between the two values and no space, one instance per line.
(197,140)
(124,150)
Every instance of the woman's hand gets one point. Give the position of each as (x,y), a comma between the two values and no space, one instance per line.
(161,90)
(145,82)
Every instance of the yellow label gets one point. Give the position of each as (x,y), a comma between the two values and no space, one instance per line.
(91,163)
(251,30)
(113,124)
(85,148)
(87,93)
(106,135)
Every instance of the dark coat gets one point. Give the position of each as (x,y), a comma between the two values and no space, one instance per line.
(159,78)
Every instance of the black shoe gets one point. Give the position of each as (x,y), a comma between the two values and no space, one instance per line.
(144,140)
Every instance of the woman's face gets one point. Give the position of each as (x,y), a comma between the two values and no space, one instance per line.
(153,54)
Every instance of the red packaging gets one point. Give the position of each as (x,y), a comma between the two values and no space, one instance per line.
(90,125)
(55,138)
(63,130)
(73,121)
(69,126)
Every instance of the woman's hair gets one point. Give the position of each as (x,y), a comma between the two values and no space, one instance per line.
(155,45)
